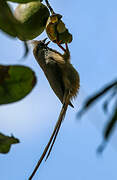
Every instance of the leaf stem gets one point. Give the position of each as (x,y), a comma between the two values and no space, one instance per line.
(49,6)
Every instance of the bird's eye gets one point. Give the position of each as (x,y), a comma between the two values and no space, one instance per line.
(41,45)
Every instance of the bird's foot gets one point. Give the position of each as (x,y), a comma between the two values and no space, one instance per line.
(59,44)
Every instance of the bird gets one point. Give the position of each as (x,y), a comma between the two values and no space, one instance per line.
(64,80)
(43,54)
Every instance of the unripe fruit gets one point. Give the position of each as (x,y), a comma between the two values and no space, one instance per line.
(56,30)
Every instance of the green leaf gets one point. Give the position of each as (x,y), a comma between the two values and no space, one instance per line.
(15,83)
(7,20)
(24,1)
(6,142)
(28,22)
(32,18)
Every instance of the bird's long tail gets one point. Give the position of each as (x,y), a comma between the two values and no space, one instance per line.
(54,134)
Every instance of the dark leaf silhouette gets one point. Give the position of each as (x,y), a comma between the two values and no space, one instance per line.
(109,129)
(110,125)
(111,87)
(109,99)
(6,142)
(89,102)
(26,49)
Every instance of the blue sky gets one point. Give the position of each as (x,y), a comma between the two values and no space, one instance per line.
(94,55)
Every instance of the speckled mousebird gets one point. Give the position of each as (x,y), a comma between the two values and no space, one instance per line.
(62,77)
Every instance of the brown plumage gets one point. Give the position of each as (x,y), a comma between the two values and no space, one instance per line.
(63,79)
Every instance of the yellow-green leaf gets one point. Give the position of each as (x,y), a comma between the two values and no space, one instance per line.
(32,17)
(7,20)
(24,1)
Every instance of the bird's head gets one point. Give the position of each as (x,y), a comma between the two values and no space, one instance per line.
(40,44)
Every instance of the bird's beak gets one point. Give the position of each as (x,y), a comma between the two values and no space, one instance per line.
(48,43)
(44,40)
(34,43)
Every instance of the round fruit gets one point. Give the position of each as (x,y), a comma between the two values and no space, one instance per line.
(56,30)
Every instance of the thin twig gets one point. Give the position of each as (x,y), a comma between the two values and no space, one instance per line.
(49,6)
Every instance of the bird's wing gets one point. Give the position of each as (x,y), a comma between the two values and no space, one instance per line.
(55,57)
